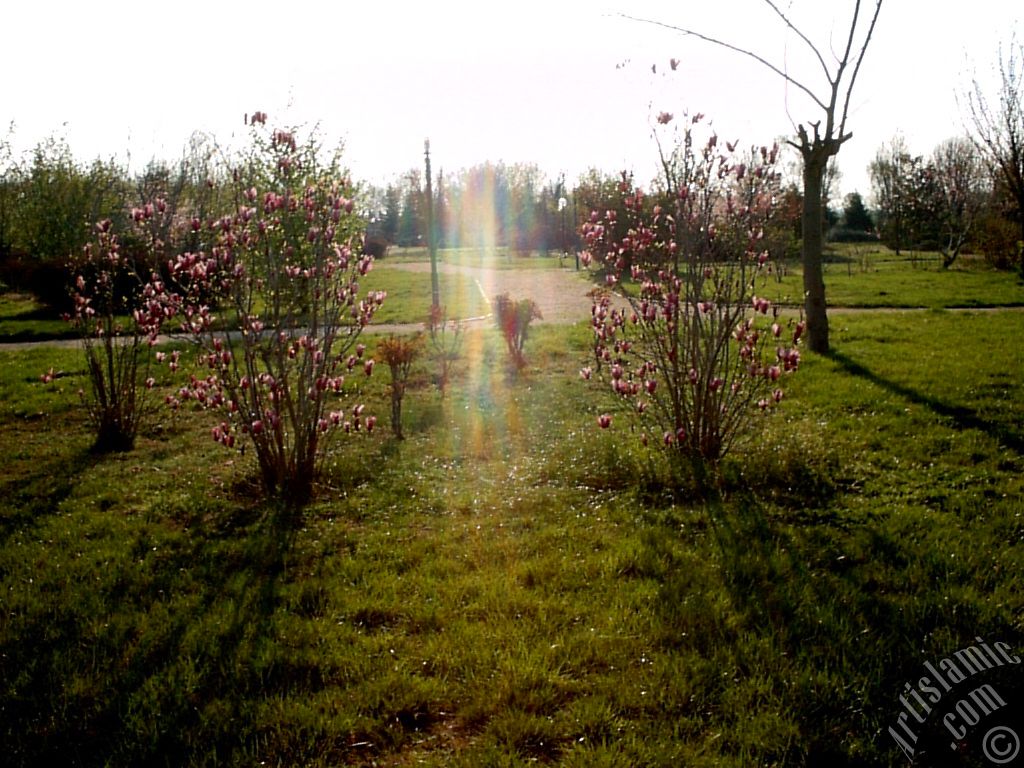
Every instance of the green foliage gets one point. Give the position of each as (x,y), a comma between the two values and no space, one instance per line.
(50,203)
(997,238)
(855,213)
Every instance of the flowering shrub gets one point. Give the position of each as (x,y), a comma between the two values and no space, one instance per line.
(445,341)
(684,345)
(118,321)
(284,270)
(399,355)
(513,319)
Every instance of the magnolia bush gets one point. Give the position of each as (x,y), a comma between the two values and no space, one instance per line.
(118,319)
(683,345)
(273,302)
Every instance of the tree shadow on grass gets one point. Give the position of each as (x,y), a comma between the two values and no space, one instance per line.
(826,620)
(963,418)
(152,664)
(28,498)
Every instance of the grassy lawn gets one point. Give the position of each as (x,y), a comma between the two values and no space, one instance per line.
(22,318)
(874,277)
(488,258)
(855,276)
(409,295)
(510,585)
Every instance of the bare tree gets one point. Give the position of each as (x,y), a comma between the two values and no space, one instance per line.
(817,141)
(959,181)
(999,128)
(890,171)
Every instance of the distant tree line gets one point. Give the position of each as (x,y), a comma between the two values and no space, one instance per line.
(50,203)
(960,198)
(489,205)
(947,201)
(951,201)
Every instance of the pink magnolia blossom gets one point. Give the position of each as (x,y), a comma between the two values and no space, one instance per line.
(798,331)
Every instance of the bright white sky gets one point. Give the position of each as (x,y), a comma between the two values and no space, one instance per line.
(520,81)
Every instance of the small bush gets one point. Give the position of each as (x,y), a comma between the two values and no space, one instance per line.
(285,268)
(513,319)
(118,330)
(399,355)
(445,341)
(999,239)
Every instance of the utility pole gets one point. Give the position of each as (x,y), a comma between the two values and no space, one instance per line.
(435,285)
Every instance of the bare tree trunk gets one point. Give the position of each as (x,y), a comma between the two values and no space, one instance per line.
(815,161)
(817,151)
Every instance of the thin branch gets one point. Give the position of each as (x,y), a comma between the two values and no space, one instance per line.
(715,41)
(860,59)
(801,35)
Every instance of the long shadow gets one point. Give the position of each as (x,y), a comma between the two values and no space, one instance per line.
(963,418)
(25,500)
(153,678)
(817,599)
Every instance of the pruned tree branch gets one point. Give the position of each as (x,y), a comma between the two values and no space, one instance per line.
(860,59)
(736,49)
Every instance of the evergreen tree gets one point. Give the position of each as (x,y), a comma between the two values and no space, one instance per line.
(855,214)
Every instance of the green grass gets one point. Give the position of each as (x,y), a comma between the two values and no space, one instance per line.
(873,277)
(488,258)
(510,585)
(855,276)
(409,295)
(22,318)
